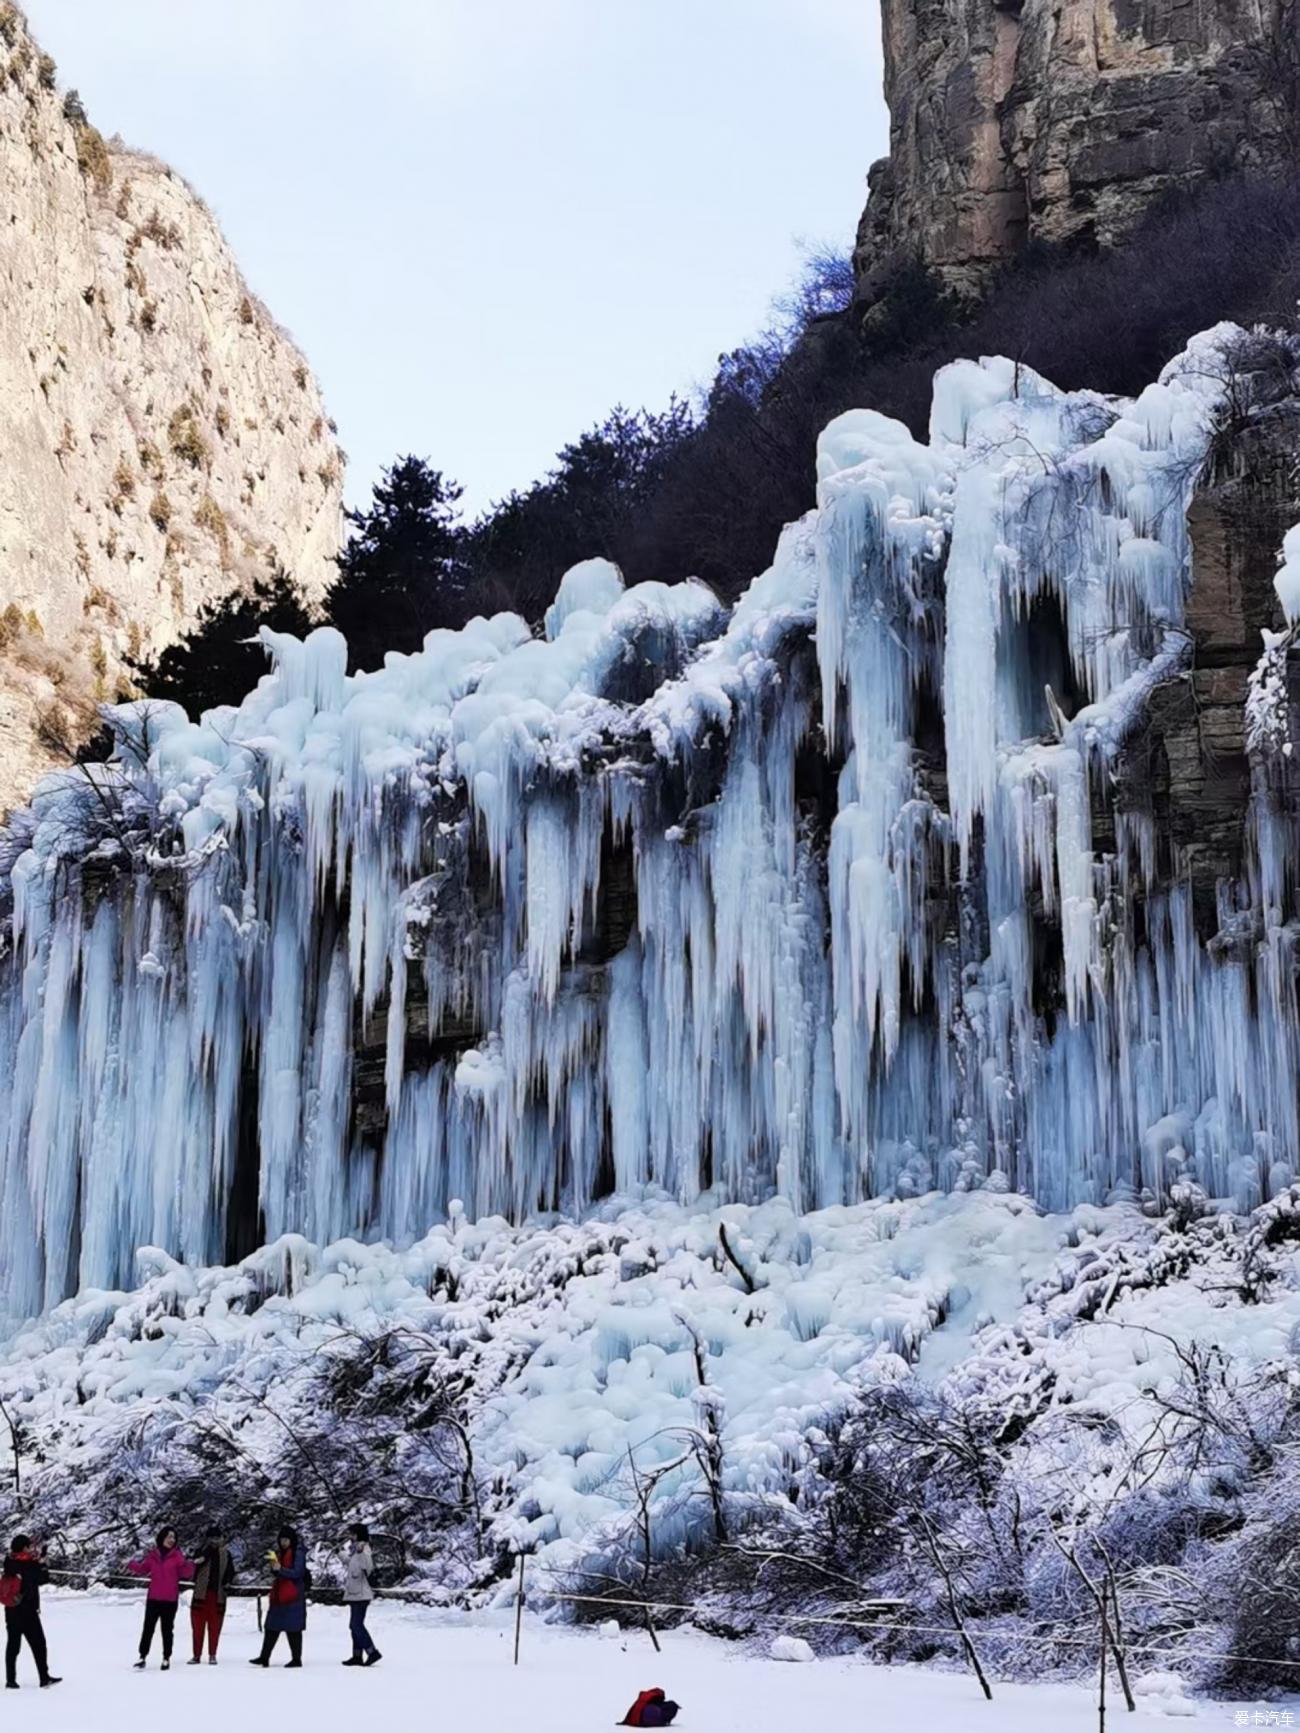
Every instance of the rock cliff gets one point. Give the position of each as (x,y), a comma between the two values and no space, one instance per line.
(1052,119)
(161,439)
(1190,769)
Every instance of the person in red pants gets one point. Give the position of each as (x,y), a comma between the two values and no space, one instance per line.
(214,1571)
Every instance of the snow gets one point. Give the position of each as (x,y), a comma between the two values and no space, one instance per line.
(565,1682)
(1165,1694)
(826,994)
(1267,704)
(1287,580)
(593,586)
(589,1356)
(786,1648)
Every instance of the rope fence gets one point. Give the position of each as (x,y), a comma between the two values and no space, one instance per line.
(930,1630)
(246,1591)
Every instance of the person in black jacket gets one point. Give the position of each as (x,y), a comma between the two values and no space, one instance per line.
(23,1614)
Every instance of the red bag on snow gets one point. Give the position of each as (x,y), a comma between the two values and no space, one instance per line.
(651,1709)
(11,1592)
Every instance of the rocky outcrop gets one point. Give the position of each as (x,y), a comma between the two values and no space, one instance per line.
(1189,769)
(1018,120)
(161,438)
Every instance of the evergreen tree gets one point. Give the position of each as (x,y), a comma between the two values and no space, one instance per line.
(219,659)
(592,502)
(402,572)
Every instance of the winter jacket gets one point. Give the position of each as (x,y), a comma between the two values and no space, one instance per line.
(164,1571)
(32,1573)
(361,1565)
(288,1608)
(213,1574)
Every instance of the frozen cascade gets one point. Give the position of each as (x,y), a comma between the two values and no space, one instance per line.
(800,899)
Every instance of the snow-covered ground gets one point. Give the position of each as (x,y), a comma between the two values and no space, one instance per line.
(581,1336)
(458,1675)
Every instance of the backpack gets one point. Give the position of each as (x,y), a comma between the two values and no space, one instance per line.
(651,1709)
(11,1591)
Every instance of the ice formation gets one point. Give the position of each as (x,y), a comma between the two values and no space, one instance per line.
(801,900)
(1287,581)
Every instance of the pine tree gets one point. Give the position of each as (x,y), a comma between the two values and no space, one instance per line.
(402,572)
(594,501)
(219,660)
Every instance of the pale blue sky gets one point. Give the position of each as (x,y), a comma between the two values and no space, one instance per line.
(486,223)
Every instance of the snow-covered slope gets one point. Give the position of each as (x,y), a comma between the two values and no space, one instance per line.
(801,901)
(808,1387)
(581,1337)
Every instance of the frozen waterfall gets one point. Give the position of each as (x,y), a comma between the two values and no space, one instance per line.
(801,898)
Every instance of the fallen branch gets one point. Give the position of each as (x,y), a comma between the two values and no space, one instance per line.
(931,1540)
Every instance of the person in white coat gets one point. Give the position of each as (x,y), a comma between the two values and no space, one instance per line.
(358,1592)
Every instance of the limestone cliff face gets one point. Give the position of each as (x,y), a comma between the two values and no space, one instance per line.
(161,439)
(1047,119)
(1190,769)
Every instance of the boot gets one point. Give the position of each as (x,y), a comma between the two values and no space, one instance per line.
(194,1660)
(372,1657)
(167,1664)
(354,1661)
(139,1665)
(51,1679)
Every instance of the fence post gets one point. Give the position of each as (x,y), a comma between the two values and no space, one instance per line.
(650,1626)
(1101,1696)
(519,1607)
(259,1609)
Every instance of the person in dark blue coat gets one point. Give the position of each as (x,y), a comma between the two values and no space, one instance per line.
(287,1611)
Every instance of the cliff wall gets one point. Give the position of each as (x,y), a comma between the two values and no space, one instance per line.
(161,438)
(1055,119)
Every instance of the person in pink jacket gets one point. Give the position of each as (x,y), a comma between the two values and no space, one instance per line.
(166,1567)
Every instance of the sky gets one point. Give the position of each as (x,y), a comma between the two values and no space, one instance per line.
(488,221)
